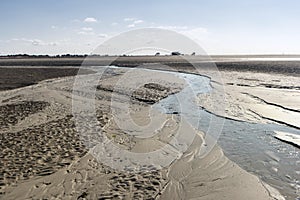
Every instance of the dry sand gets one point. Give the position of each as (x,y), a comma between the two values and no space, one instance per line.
(43,156)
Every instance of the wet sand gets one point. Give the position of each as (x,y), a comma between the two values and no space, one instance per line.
(16,77)
(290,138)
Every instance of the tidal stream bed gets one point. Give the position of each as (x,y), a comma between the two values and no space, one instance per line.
(251,145)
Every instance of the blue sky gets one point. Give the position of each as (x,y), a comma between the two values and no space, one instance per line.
(219,26)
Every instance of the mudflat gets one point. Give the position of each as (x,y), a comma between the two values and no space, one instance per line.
(43,154)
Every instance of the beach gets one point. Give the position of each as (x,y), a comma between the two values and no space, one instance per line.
(45,156)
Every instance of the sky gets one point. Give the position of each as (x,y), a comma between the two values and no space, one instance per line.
(218,26)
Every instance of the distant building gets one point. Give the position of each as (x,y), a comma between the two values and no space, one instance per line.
(175,53)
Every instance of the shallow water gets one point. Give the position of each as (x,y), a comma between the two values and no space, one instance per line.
(250,145)
(254,148)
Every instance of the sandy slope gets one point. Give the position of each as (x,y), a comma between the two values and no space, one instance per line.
(42,155)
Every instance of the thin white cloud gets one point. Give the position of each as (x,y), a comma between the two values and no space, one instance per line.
(138,21)
(87,29)
(85,33)
(131,26)
(54,27)
(114,24)
(102,35)
(133,21)
(173,28)
(90,20)
(129,19)
(34,42)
